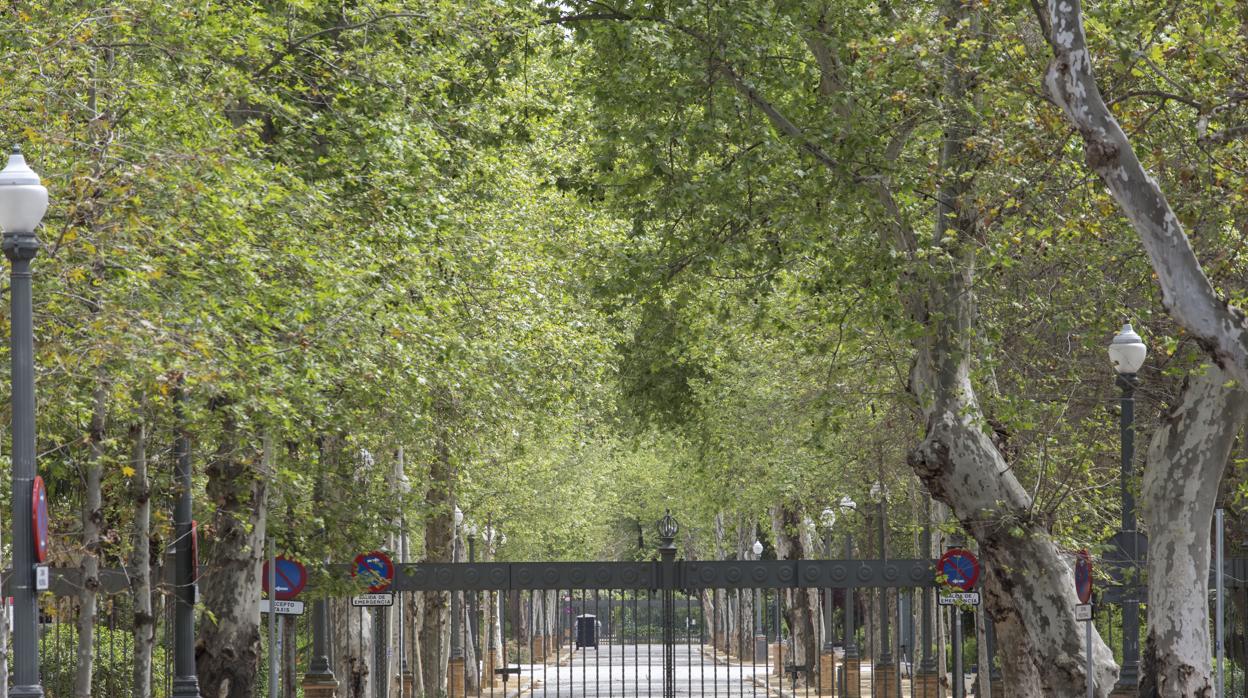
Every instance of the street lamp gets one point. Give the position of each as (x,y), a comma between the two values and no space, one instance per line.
(828,519)
(1127,353)
(880,494)
(760,638)
(23,201)
(457,647)
(851,645)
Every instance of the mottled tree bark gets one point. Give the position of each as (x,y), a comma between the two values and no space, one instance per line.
(92,525)
(1186,459)
(799,604)
(435,637)
(141,563)
(227,653)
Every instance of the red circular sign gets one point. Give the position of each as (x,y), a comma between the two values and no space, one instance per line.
(39,518)
(1083,576)
(376,568)
(960,567)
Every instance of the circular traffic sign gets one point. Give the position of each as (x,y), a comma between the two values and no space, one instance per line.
(39,518)
(1083,576)
(291,578)
(376,568)
(960,567)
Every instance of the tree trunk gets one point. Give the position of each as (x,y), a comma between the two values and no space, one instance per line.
(1219,327)
(439,521)
(799,608)
(141,563)
(92,525)
(227,654)
(1185,463)
(353,648)
(1028,583)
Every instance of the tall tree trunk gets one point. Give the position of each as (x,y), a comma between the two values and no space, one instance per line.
(799,608)
(227,654)
(1028,583)
(1185,463)
(141,563)
(439,522)
(92,525)
(353,648)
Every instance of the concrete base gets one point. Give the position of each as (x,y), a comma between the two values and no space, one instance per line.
(827,673)
(928,686)
(853,678)
(760,649)
(455,678)
(777,658)
(320,687)
(409,684)
(998,688)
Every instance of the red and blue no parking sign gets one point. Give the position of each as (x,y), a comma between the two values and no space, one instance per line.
(291,578)
(376,568)
(1083,576)
(39,518)
(960,567)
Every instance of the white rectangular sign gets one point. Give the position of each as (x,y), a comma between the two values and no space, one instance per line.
(283,608)
(970,598)
(42,578)
(1083,611)
(385,598)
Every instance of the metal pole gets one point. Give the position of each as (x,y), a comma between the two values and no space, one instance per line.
(829,607)
(21,248)
(959,687)
(185,680)
(457,645)
(1129,677)
(851,643)
(474,630)
(1087,641)
(928,663)
(1220,630)
(272,618)
(319,669)
(886,652)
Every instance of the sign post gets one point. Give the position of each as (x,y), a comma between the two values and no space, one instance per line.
(1083,612)
(960,569)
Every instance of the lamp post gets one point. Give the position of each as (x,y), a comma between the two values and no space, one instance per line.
(457,646)
(185,679)
(828,519)
(1127,353)
(851,644)
(880,494)
(760,638)
(23,201)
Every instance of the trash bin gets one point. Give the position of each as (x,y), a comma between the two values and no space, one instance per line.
(587,631)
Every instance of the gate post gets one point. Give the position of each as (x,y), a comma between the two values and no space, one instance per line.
(667,584)
(853,670)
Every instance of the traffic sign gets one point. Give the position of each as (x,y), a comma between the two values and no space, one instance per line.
(954,598)
(291,577)
(960,567)
(1083,611)
(1083,576)
(385,598)
(39,518)
(376,568)
(282,608)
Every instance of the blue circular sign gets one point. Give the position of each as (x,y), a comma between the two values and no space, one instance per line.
(376,568)
(291,577)
(960,567)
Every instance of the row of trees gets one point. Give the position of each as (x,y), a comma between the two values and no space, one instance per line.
(580,262)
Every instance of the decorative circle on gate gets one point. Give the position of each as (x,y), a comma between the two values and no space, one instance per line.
(812,573)
(839,573)
(891,573)
(420,576)
(472,576)
(630,575)
(864,573)
(786,574)
(497,577)
(759,573)
(444,576)
(706,574)
(918,573)
(578,575)
(603,575)
(551,575)
(734,574)
(524,576)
